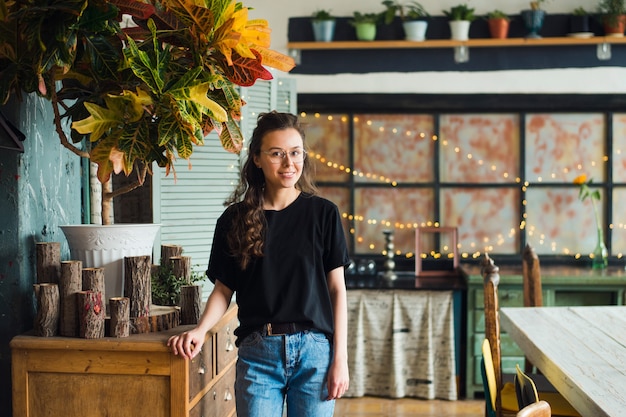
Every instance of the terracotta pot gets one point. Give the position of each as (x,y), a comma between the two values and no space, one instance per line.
(498,28)
(614,27)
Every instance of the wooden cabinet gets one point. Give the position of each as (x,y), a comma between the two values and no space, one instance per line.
(133,376)
(561,286)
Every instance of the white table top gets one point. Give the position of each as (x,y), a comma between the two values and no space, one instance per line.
(581,350)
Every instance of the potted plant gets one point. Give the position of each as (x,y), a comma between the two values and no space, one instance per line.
(460,17)
(136,95)
(414,21)
(389,27)
(533,19)
(579,23)
(613,16)
(365,25)
(323,25)
(498,24)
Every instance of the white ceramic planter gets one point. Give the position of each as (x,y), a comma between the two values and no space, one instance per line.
(459,30)
(100,246)
(415,30)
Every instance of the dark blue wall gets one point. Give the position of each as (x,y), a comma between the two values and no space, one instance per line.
(39,190)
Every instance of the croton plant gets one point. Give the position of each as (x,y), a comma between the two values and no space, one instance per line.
(143,91)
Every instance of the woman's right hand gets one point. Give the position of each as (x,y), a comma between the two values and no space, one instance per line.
(187,344)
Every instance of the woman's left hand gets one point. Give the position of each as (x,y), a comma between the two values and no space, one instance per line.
(338,379)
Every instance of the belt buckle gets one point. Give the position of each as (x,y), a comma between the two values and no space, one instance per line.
(268,327)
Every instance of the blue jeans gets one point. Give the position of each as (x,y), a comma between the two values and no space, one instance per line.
(294,367)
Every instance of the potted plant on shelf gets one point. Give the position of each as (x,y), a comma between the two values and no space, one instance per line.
(498,24)
(136,95)
(579,23)
(414,21)
(323,25)
(460,17)
(365,25)
(613,16)
(389,27)
(533,19)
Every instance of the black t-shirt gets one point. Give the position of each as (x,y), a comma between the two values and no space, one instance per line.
(303,242)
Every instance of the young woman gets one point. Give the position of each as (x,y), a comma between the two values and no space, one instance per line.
(282,250)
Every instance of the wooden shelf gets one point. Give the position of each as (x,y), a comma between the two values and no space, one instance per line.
(448,43)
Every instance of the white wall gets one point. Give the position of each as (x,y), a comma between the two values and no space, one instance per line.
(606,80)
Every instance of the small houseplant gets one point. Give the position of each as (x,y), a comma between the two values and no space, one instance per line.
(365,25)
(533,18)
(389,22)
(137,95)
(460,17)
(414,20)
(579,22)
(323,23)
(613,16)
(498,24)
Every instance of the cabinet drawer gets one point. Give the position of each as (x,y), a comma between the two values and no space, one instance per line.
(201,369)
(220,400)
(226,352)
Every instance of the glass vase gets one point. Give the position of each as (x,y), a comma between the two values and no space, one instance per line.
(600,253)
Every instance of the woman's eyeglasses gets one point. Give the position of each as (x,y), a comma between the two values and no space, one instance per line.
(277,156)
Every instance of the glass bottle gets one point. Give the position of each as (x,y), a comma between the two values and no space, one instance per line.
(600,253)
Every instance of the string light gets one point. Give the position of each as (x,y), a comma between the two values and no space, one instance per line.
(489,247)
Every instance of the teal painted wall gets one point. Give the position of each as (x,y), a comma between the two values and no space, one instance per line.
(39,190)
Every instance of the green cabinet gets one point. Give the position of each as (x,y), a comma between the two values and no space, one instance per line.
(561,286)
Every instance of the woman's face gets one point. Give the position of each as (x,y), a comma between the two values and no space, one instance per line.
(281,158)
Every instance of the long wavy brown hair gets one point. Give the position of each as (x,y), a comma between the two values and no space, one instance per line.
(248,229)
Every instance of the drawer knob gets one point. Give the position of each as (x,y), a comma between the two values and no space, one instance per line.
(201,370)
(227,395)
(229,345)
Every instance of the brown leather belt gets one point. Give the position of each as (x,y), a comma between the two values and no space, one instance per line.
(279,329)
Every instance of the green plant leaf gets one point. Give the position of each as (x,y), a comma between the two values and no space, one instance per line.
(99,123)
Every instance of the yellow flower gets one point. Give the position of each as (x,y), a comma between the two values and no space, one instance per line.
(581,179)
(585,191)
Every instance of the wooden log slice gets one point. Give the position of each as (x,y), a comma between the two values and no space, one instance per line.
(93,279)
(120,316)
(181,268)
(48,309)
(169,251)
(70,283)
(190,303)
(138,288)
(163,318)
(48,255)
(90,314)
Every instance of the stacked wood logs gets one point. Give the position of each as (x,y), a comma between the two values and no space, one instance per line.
(71,300)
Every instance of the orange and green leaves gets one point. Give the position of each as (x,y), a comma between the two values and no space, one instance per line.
(145,94)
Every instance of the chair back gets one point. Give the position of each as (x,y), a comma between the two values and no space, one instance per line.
(531,282)
(491,279)
(538,409)
(489,379)
(531,278)
(525,389)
